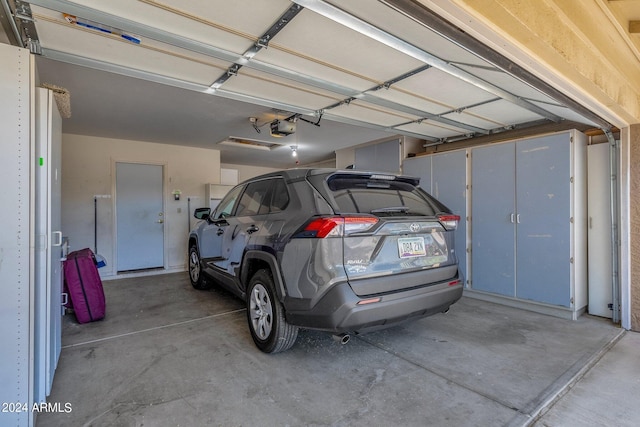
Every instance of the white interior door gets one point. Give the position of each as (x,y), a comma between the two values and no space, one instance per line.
(599,235)
(139,216)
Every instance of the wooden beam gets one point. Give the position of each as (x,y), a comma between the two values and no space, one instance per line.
(634,27)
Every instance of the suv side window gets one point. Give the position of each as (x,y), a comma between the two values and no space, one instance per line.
(251,202)
(279,196)
(225,208)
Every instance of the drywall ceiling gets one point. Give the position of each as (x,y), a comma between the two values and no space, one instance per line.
(192,73)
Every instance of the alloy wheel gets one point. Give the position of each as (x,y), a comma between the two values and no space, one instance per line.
(261,312)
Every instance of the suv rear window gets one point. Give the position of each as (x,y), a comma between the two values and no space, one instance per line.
(383,197)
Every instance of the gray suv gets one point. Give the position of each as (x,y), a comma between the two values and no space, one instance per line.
(341,251)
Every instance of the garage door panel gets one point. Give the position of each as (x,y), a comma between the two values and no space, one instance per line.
(443,88)
(315,36)
(377,14)
(262,85)
(149,56)
(504,112)
(565,113)
(369,113)
(205,21)
(509,83)
(410,99)
(311,67)
(474,120)
(432,129)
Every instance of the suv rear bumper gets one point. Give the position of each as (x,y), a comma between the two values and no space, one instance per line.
(339,312)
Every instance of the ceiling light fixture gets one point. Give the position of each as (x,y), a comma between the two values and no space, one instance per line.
(254,144)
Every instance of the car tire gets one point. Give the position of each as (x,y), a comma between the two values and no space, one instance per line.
(195,270)
(269,329)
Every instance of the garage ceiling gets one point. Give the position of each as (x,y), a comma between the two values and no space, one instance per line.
(193,73)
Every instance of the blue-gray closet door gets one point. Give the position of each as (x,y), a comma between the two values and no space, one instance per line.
(493,217)
(139,216)
(544,212)
(420,167)
(449,172)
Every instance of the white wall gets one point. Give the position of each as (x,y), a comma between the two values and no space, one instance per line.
(87,170)
(345,157)
(246,172)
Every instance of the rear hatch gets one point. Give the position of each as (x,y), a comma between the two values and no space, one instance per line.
(389,227)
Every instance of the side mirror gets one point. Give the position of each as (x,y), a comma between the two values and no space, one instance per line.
(202,213)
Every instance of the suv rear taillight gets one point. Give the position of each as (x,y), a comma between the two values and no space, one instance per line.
(337,226)
(449,222)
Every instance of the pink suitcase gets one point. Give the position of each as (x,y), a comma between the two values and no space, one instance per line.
(84,286)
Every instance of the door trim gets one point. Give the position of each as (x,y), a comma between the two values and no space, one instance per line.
(114,227)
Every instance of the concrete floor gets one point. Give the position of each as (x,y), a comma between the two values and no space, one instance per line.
(168,355)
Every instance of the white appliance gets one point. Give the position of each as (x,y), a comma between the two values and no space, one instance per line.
(213,193)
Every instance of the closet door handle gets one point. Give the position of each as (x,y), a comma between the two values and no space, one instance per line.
(57,234)
(518,219)
(513,218)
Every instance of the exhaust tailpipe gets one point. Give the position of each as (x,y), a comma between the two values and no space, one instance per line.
(342,338)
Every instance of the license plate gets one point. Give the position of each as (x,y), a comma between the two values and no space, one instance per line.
(411,247)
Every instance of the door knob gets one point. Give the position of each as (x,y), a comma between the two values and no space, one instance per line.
(160,221)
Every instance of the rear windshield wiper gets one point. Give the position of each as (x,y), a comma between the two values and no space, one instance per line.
(391,209)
